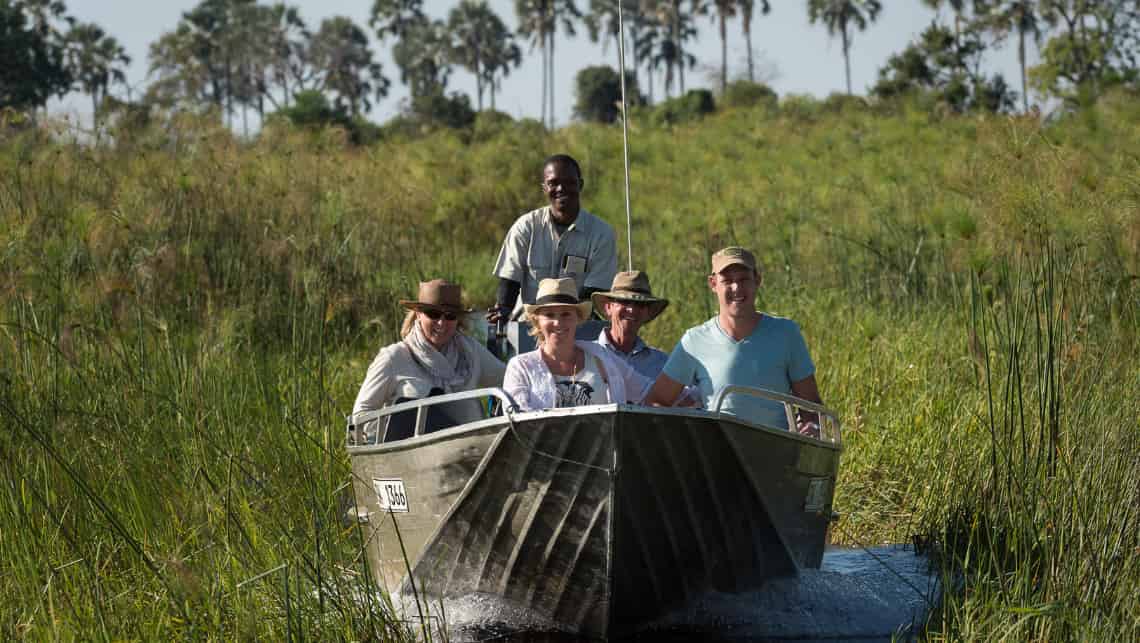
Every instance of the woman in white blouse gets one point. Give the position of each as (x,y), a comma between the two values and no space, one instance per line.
(564,372)
(434,357)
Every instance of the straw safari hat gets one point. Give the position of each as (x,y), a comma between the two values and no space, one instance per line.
(630,286)
(440,294)
(558,292)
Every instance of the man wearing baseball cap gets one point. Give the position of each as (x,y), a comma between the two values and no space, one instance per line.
(740,346)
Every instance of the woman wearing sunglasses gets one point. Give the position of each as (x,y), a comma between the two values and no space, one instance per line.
(434,357)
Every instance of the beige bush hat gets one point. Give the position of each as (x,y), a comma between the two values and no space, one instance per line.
(558,292)
(440,294)
(630,286)
(732,256)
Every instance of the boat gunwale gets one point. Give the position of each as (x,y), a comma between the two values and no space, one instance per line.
(505,422)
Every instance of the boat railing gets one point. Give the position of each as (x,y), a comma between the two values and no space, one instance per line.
(804,417)
(426,415)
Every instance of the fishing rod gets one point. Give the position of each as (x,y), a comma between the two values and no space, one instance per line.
(625,134)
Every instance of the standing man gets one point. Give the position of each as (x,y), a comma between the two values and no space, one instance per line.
(559,240)
(741,346)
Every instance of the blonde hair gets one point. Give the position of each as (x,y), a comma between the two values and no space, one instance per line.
(534,331)
(410,319)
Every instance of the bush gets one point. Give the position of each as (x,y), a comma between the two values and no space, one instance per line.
(801,106)
(598,92)
(692,106)
(490,123)
(744,93)
(311,109)
(436,109)
(839,103)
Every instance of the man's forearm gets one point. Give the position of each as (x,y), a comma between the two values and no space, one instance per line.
(507,293)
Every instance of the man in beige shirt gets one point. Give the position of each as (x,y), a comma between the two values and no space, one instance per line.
(559,240)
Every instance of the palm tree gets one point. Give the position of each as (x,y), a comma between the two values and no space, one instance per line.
(96,61)
(1020,16)
(422,55)
(724,9)
(478,35)
(564,12)
(665,56)
(959,8)
(533,16)
(503,56)
(602,24)
(643,47)
(288,38)
(747,10)
(395,17)
(169,59)
(839,16)
(339,51)
(676,26)
(539,21)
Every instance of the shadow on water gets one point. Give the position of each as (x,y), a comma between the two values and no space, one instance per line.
(874,594)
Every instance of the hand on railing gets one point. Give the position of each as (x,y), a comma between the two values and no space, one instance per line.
(808,424)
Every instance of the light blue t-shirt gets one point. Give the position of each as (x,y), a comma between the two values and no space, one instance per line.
(772,357)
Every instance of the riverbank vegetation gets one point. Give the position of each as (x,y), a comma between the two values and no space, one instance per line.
(186,317)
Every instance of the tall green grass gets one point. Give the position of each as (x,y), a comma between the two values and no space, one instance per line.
(186,319)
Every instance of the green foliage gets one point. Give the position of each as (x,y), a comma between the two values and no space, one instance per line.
(598,91)
(489,124)
(1102,54)
(422,53)
(840,16)
(482,44)
(943,64)
(436,109)
(695,104)
(743,93)
(339,53)
(311,109)
(34,68)
(839,103)
(95,60)
(184,319)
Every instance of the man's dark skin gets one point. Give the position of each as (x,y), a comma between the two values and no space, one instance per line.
(562,184)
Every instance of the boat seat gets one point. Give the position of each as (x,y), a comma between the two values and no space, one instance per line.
(402,425)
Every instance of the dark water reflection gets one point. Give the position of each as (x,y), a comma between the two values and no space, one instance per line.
(858,595)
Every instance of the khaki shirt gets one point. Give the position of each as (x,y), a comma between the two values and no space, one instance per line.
(533,251)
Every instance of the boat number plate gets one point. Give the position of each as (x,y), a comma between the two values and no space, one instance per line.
(393,496)
(817,495)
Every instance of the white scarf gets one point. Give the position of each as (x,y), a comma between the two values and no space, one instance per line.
(451,369)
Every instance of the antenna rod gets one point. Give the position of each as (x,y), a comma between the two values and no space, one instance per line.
(625,133)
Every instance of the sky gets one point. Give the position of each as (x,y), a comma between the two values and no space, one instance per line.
(794,56)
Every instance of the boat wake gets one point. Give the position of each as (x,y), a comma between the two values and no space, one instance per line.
(878,594)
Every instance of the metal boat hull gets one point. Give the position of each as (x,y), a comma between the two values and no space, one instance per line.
(600,519)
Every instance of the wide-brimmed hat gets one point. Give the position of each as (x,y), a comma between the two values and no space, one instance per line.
(732,256)
(558,292)
(630,286)
(440,294)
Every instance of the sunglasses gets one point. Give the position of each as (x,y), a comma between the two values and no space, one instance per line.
(434,314)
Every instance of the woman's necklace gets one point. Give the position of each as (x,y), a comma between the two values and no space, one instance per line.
(561,366)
